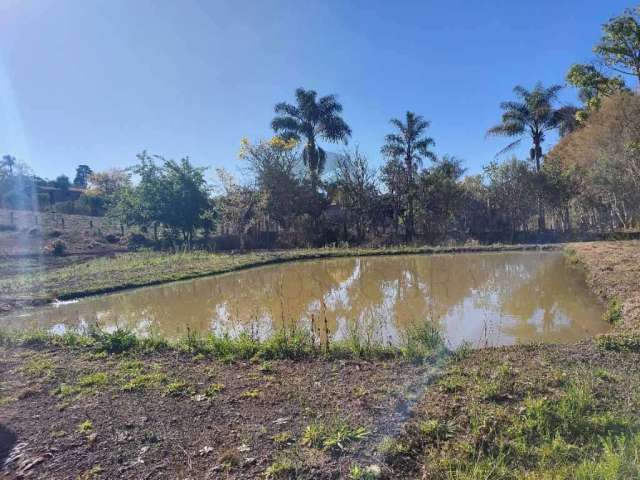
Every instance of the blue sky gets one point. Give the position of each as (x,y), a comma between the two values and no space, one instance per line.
(97,81)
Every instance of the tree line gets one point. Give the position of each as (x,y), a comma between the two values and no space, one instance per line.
(588,182)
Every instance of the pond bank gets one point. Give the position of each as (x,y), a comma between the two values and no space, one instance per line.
(540,411)
(124,271)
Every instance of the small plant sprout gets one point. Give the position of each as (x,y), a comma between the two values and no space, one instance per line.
(85,426)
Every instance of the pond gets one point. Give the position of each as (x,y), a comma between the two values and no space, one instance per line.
(487,299)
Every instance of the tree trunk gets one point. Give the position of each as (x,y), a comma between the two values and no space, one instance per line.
(537,155)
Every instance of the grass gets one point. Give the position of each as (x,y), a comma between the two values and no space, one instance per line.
(179,388)
(282,468)
(213,389)
(500,419)
(136,269)
(38,366)
(423,343)
(613,314)
(143,381)
(619,342)
(93,380)
(336,435)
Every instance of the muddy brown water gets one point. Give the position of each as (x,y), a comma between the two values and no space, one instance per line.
(483,298)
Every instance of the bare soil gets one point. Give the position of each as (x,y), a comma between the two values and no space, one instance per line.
(613,271)
(150,432)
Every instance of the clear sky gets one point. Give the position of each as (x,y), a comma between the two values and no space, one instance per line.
(97,81)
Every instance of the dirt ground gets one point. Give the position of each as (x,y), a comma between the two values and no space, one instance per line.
(31,233)
(170,416)
(613,271)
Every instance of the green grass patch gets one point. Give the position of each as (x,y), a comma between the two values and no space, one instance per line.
(38,366)
(142,381)
(512,425)
(178,388)
(619,342)
(613,314)
(336,435)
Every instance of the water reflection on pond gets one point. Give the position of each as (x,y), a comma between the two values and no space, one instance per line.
(493,299)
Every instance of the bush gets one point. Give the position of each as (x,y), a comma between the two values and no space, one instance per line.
(135,241)
(57,248)
(111,238)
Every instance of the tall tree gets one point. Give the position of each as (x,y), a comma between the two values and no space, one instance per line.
(62,182)
(83,172)
(531,115)
(410,146)
(619,47)
(275,168)
(357,190)
(8,162)
(310,119)
(592,87)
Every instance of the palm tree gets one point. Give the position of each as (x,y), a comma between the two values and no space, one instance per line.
(411,147)
(532,115)
(310,119)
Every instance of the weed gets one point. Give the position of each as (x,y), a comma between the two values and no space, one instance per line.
(130,366)
(620,342)
(283,468)
(422,341)
(144,381)
(332,437)
(356,472)
(64,390)
(282,437)
(253,393)
(93,380)
(38,367)
(313,436)
(613,313)
(392,447)
(360,391)
(266,367)
(213,389)
(93,472)
(452,383)
(85,426)
(571,256)
(118,341)
(178,389)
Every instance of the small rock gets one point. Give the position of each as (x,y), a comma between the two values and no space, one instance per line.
(244,448)
(205,450)
(373,471)
(200,398)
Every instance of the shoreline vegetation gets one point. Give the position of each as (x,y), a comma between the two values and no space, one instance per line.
(139,269)
(289,407)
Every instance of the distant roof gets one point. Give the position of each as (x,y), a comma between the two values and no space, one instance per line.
(44,188)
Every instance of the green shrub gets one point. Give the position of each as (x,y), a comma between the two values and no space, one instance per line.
(58,247)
